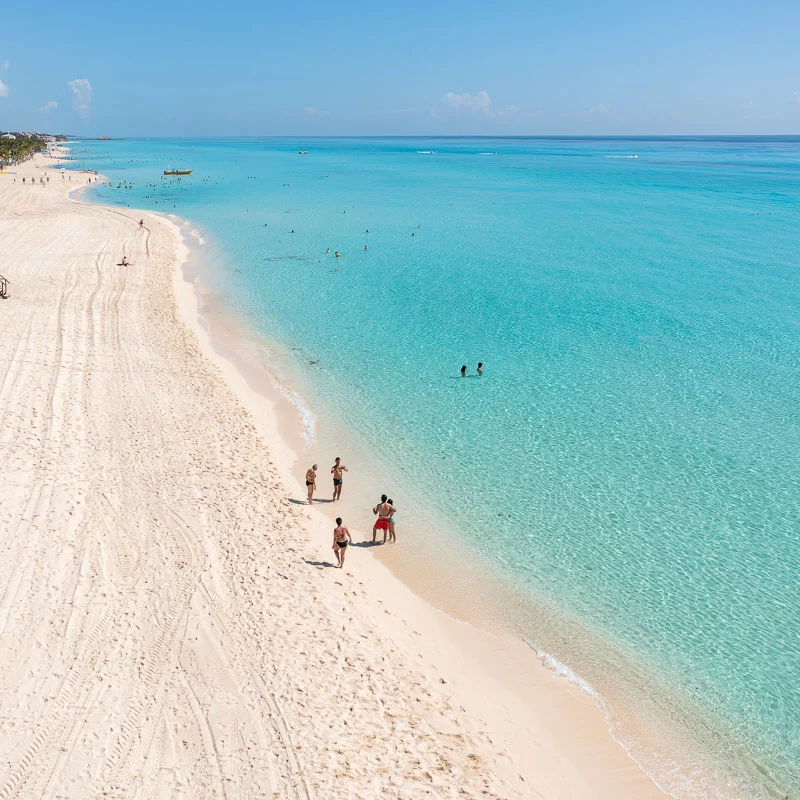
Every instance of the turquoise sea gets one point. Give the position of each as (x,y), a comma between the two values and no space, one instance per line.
(630,458)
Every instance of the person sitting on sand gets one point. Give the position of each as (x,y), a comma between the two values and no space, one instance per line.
(384,511)
(336,470)
(311,483)
(341,538)
(124,262)
(392,536)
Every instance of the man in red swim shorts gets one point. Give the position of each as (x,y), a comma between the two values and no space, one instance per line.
(384,512)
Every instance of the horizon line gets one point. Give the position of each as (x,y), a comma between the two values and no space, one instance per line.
(442,136)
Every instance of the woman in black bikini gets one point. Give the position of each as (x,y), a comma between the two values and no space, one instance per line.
(341,538)
(311,483)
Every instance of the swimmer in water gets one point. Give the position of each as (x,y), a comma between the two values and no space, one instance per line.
(480,368)
(464,371)
(328,250)
(338,254)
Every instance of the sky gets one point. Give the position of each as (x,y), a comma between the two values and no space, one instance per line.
(508,67)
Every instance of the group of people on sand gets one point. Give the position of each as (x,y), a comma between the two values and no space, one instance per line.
(384,511)
(337,470)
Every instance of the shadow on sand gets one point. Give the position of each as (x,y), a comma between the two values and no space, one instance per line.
(305,502)
(319,563)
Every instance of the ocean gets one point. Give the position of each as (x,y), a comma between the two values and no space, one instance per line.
(628,463)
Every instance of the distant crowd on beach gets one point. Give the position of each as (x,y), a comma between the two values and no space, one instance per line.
(384,511)
(45,179)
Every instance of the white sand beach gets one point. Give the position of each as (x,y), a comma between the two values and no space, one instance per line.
(166,629)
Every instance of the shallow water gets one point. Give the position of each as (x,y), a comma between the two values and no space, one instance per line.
(631,453)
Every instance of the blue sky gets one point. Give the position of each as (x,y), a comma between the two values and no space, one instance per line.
(349,68)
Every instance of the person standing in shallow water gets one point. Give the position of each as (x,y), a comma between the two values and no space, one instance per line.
(311,483)
(384,511)
(392,536)
(341,538)
(464,371)
(480,368)
(336,470)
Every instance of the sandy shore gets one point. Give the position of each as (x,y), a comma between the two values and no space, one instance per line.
(168,629)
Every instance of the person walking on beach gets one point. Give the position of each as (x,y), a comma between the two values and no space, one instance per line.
(392,536)
(311,483)
(384,511)
(336,470)
(141,224)
(341,538)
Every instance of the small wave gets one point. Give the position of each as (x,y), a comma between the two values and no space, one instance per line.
(426,152)
(633,155)
(563,671)
(297,400)
(492,153)
(306,416)
(197,235)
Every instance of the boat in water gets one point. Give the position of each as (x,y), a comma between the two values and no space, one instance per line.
(303,152)
(177,172)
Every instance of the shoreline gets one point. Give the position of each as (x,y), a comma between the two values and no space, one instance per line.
(514,673)
(694,767)
(477,697)
(619,682)
(163,635)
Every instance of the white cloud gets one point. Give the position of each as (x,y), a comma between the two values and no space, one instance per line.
(308,112)
(81,95)
(52,104)
(462,105)
(479,103)
(5,65)
(4,90)
(600,108)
